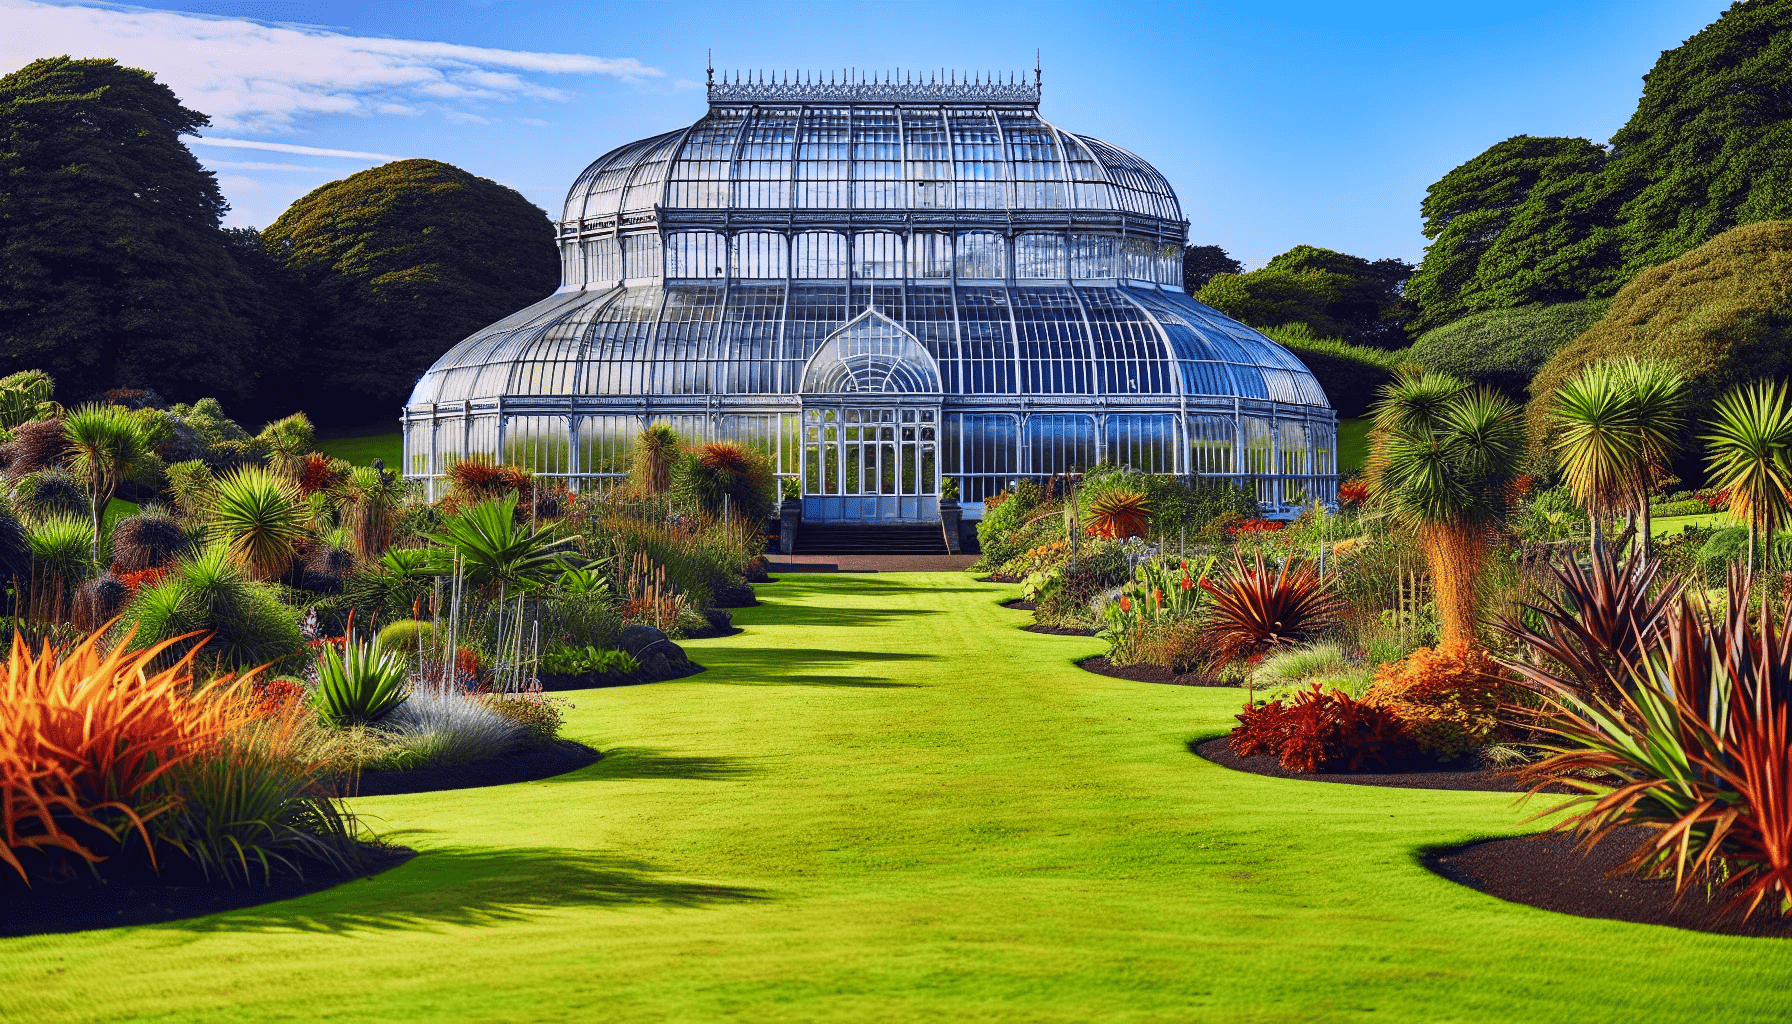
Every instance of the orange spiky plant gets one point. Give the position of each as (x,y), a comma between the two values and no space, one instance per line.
(1119,514)
(88,736)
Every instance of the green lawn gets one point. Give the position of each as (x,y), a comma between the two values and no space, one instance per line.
(886,802)
(364,449)
(1353,444)
(1674,524)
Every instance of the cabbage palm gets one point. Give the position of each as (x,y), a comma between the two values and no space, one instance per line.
(1598,441)
(1443,455)
(106,444)
(371,500)
(1658,393)
(260,518)
(1749,457)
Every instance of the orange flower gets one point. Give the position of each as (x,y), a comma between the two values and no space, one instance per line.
(1125,603)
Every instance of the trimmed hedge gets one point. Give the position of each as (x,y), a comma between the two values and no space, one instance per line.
(1504,348)
(1350,374)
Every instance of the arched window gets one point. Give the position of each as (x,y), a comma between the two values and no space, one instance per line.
(878,254)
(761,255)
(819,254)
(982,254)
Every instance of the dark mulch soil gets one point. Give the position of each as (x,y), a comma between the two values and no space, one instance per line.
(711,631)
(1462,773)
(1059,630)
(1018,605)
(552,683)
(1146,673)
(527,765)
(1548,872)
(174,896)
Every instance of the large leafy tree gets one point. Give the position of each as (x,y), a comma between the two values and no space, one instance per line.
(401,262)
(1201,262)
(1335,295)
(113,269)
(1709,148)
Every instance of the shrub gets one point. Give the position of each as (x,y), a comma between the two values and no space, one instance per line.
(398,585)
(1322,732)
(539,715)
(62,551)
(254,804)
(408,637)
(1689,507)
(475,480)
(146,541)
(193,486)
(34,447)
(1064,601)
(259,519)
(650,469)
(1003,516)
(87,739)
(1447,697)
(1255,611)
(436,727)
(726,474)
(240,621)
(1173,641)
(50,493)
(583,661)
(1350,375)
(98,600)
(1504,348)
(358,683)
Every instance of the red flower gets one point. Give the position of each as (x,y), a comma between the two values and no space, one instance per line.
(1187,584)
(1125,603)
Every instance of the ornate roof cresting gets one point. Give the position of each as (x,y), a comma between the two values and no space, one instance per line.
(851,86)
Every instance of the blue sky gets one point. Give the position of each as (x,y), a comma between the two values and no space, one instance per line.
(1277,123)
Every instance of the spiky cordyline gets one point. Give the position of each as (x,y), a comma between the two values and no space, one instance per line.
(1751,457)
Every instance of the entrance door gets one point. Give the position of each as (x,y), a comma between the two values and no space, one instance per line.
(870,464)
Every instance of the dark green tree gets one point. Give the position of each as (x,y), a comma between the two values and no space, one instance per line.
(400,262)
(1552,220)
(113,269)
(1201,262)
(1335,295)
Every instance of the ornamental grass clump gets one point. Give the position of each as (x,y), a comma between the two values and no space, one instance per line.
(259,519)
(209,596)
(87,741)
(446,726)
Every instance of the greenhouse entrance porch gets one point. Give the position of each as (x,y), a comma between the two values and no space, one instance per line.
(870,464)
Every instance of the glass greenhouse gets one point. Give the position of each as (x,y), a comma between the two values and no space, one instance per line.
(883,283)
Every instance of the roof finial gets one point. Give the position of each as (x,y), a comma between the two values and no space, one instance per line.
(1037,84)
(710,59)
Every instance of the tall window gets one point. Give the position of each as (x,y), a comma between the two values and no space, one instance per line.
(819,254)
(877,254)
(1039,255)
(930,254)
(760,255)
(696,254)
(982,254)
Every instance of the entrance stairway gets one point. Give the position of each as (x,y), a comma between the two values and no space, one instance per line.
(870,539)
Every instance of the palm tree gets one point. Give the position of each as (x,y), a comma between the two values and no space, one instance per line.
(1598,442)
(371,499)
(1749,457)
(656,448)
(287,442)
(1443,455)
(1658,393)
(260,519)
(107,444)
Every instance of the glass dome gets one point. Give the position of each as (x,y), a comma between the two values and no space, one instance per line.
(815,265)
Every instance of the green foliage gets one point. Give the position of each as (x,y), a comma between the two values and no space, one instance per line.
(241,621)
(492,549)
(1350,374)
(61,550)
(726,476)
(1750,455)
(193,487)
(358,683)
(105,444)
(407,637)
(1720,314)
(1503,348)
(1332,294)
(1201,262)
(997,531)
(259,518)
(398,261)
(539,715)
(53,492)
(97,190)
(650,466)
(588,660)
(395,585)
(1550,220)
(1065,599)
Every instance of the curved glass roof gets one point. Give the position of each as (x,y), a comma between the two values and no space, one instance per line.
(886,157)
(754,338)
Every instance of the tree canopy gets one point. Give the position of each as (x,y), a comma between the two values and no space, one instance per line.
(1334,295)
(113,269)
(1549,220)
(402,261)
(1503,348)
(1201,262)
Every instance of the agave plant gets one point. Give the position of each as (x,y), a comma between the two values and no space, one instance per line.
(1256,610)
(359,683)
(492,549)
(260,519)
(1118,513)
(1610,616)
(1696,748)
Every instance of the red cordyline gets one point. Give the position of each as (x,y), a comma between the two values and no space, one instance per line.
(1256,610)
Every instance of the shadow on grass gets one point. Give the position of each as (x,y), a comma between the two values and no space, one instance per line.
(802,666)
(646,763)
(769,614)
(477,887)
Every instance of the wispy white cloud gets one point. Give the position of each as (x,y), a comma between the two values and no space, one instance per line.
(256,77)
(287,147)
(252,165)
